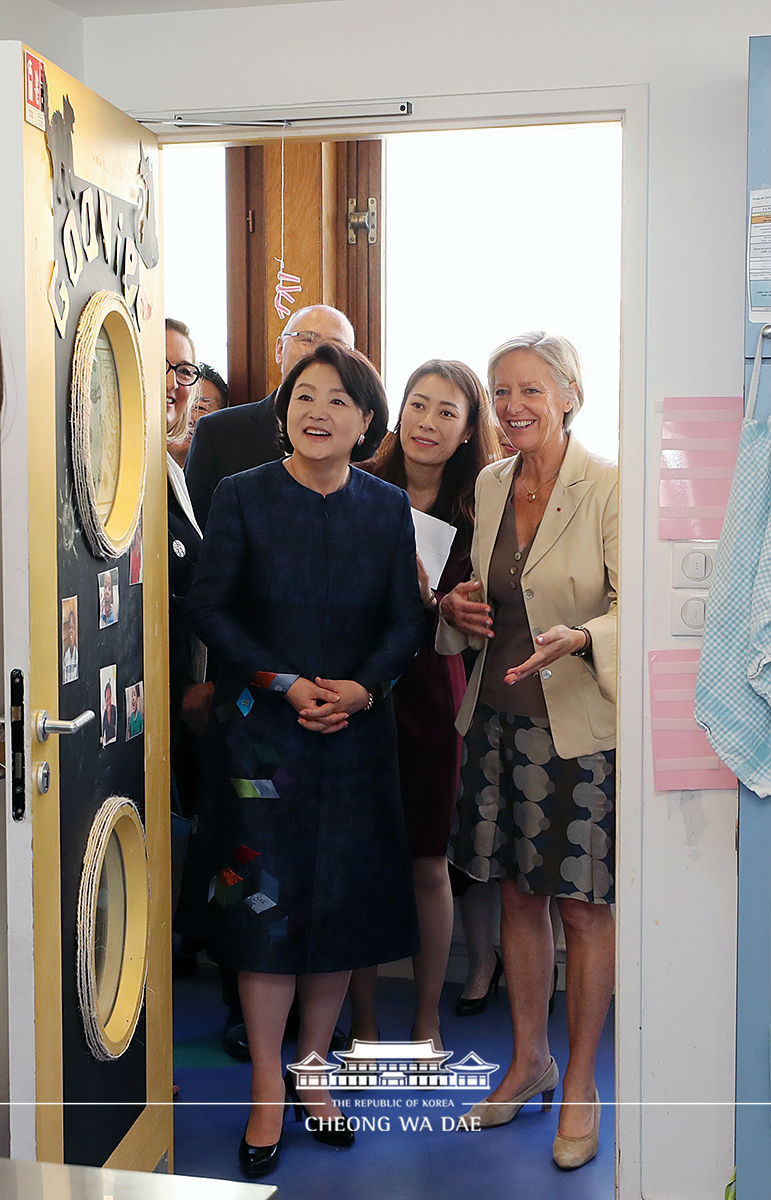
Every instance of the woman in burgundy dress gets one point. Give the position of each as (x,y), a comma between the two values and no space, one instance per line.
(444,436)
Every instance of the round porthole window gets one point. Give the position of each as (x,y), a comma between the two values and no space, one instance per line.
(108,424)
(113,912)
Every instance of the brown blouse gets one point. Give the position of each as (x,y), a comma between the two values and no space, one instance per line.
(513,643)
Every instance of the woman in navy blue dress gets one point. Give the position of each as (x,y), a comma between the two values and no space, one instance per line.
(307,592)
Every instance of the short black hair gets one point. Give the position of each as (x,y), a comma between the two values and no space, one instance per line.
(208,372)
(360,380)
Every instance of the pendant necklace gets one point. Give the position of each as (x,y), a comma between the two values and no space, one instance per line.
(530,493)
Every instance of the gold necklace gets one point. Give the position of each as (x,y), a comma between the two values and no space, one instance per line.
(530,493)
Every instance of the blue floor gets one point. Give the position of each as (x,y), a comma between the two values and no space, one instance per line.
(493,1164)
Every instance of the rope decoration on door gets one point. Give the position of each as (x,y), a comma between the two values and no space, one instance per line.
(287,285)
(109,534)
(109,1033)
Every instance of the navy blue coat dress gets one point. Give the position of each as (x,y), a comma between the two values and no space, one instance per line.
(312,871)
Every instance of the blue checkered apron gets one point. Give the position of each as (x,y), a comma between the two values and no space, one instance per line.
(733,689)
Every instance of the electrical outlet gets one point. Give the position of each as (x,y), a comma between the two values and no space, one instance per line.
(693,564)
(689,613)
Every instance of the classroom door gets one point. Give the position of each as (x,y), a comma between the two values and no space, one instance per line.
(84,863)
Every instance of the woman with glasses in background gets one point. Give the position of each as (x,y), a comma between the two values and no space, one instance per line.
(211,395)
(190,696)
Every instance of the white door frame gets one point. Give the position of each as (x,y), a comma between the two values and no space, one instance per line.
(630,105)
(17,988)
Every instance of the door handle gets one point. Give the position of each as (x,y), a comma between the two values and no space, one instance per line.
(45,725)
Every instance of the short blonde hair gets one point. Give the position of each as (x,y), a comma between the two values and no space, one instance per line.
(560,356)
(177,432)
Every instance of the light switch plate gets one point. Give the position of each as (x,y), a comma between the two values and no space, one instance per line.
(693,564)
(689,610)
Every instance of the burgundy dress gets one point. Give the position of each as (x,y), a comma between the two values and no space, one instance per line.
(426,700)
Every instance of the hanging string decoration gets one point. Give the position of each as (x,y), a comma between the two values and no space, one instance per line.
(287,285)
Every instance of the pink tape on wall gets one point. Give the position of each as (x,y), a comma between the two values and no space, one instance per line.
(699,443)
(683,759)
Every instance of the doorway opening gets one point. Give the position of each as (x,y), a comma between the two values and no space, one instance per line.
(491,232)
(464,272)
(487,232)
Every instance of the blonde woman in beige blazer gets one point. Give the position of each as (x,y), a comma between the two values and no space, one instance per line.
(536,803)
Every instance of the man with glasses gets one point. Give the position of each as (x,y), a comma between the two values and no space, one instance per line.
(244,436)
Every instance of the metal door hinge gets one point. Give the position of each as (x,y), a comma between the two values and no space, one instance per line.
(250,220)
(362,220)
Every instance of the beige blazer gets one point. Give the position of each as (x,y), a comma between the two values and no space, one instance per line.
(570,579)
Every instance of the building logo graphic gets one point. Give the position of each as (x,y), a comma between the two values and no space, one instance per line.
(389,1066)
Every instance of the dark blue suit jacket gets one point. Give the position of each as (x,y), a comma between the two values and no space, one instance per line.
(228,441)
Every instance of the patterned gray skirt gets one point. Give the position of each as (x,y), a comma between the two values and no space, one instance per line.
(524,814)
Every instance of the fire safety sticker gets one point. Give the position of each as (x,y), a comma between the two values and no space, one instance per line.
(33,90)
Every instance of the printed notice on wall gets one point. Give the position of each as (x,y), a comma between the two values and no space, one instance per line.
(683,759)
(759,256)
(33,91)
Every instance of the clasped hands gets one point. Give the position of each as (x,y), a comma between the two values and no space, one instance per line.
(474,617)
(324,705)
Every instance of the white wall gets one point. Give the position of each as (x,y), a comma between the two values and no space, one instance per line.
(53,31)
(693,57)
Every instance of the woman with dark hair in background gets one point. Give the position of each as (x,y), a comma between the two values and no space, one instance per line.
(307,592)
(445,434)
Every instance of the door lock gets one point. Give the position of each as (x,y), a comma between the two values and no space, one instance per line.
(43,778)
(46,725)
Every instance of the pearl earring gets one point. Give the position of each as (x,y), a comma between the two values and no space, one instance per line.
(360,442)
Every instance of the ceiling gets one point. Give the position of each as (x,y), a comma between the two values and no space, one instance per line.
(122,8)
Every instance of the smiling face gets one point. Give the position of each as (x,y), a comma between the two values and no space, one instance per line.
(178,350)
(323,422)
(433,421)
(528,403)
(107,593)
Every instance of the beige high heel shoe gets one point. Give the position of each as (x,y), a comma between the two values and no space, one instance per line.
(488,1113)
(572,1152)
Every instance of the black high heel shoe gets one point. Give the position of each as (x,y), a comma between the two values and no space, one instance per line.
(258,1160)
(465,1007)
(332,1131)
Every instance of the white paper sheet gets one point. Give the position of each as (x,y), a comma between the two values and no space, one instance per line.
(759,256)
(433,539)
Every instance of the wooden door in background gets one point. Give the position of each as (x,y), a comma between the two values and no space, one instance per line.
(319,180)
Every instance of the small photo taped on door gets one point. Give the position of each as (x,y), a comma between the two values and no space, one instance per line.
(109,601)
(69,639)
(108,692)
(135,710)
